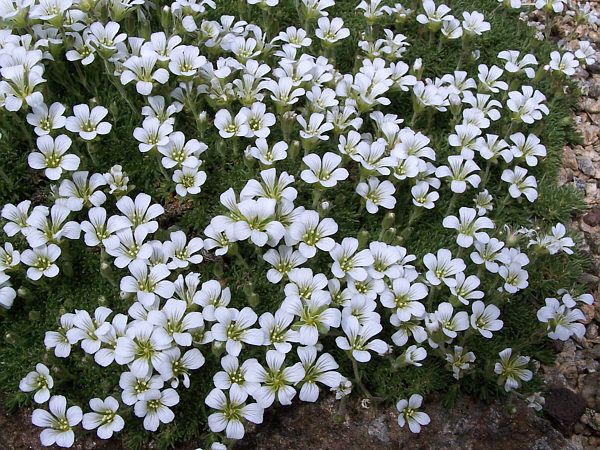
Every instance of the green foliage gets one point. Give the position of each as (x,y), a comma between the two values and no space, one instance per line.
(22,328)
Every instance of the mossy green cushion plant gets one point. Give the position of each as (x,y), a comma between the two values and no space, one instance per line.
(210,211)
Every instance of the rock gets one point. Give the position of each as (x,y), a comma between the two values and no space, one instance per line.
(592,217)
(594,68)
(579,184)
(594,88)
(378,429)
(591,106)
(589,387)
(590,134)
(586,165)
(592,419)
(468,425)
(591,189)
(569,159)
(589,280)
(564,407)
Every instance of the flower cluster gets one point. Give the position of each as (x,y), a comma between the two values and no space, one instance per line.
(263,97)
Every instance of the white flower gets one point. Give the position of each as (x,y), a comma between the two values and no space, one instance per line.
(52,156)
(175,323)
(485,319)
(551,5)
(404,299)
(88,123)
(258,120)
(465,288)
(283,260)
(315,128)
(141,348)
(41,261)
(9,257)
(235,374)
(139,213)
(422,197)
(586,53)
(104,417)
(16,217)
(154,407)
(189,181)
(276,330)
(39,381)
(81,190)
(85,328)
(172,365)
(527,105)
(181,252)
(520,183)
(312,233)
(468,225)
(511,369)
(99,231)
(321,370)
(515,277)
(377,194)
(314,317)
(141,69)
(561,320)
(7,293)
(459,170)
(459,361)
(45,120)
(442,267)
(433,15)
(58,423)
(527,147)
(230,126)
(348,262)
(152,134)
(233,328)
(276,380)
(474,23)
(268,155)
(331,31)
(135,388)
(409,413)
(179,153)
(412,355)
(565,63)
(185,60)
(449,322)
(324,171)
(58,339)
(147,282)
(212,296)
(514,65)
(357,340)
(256,222)
(231,410)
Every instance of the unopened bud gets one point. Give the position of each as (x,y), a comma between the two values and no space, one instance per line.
(165,18)
(253,300)
(363,238)
(294,150)
(389,235)
(388,220)
(218,348)
(249,289)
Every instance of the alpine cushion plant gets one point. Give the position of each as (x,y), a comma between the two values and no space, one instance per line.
(315,209)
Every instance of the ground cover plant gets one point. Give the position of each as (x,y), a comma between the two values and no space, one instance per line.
(212,208)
